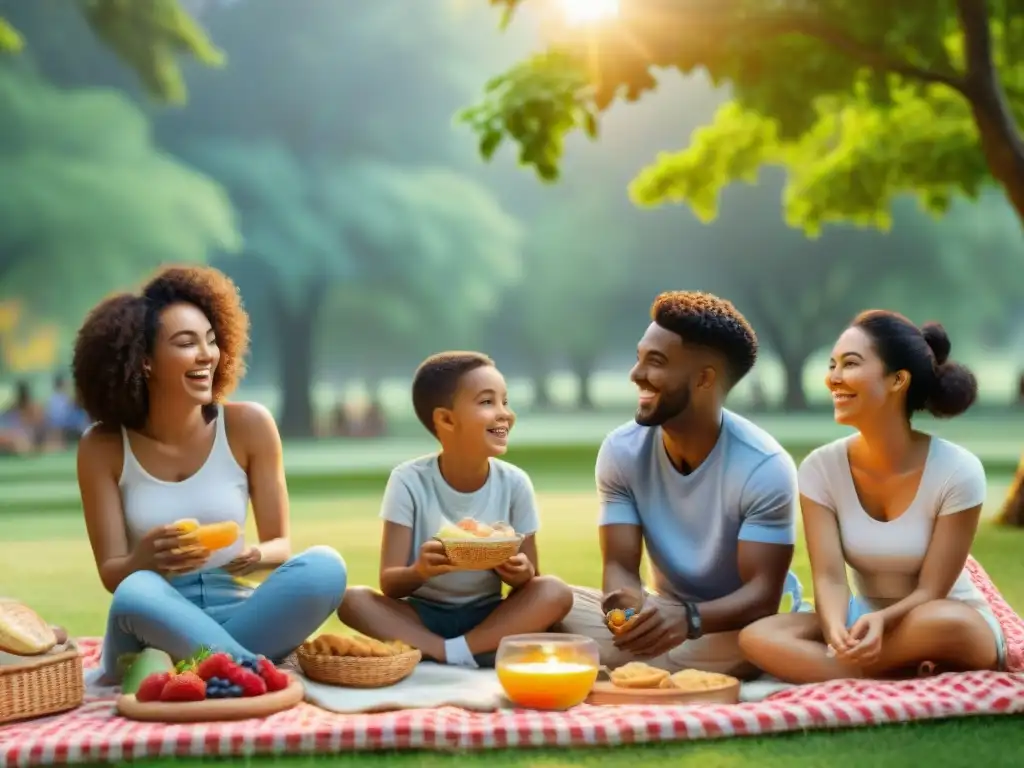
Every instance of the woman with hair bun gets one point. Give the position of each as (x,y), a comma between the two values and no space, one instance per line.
(901,508)
(153,369)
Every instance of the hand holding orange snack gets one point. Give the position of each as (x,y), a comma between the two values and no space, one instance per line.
(210,537)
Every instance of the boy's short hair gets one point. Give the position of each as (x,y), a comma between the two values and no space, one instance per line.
(437,380)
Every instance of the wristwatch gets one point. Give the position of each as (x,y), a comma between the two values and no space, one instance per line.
(694,627)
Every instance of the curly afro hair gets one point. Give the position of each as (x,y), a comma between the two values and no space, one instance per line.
(118,335)
(437,380)
(704,320)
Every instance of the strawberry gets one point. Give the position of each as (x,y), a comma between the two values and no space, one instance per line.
(216,665)
(188,686)
(275,679)
(151,688)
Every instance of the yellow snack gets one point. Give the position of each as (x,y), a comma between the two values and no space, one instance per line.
(210,537)
(694,680)
(636,674)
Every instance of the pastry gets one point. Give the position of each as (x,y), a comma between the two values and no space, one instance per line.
(468,528)
(22,631)
(636,674)
(354,646)
(694,680)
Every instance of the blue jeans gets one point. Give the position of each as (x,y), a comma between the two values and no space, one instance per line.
(213,609)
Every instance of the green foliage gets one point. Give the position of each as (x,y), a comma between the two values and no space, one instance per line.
(859,101)
(87,195)
(147,35)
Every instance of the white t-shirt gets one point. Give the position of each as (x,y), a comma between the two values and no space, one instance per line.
(418,497)
(886,557)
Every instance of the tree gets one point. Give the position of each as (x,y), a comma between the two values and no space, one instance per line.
(87,195)
(859,101)
(366,229)
(146,35)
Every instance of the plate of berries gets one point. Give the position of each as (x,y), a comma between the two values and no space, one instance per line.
(207,687)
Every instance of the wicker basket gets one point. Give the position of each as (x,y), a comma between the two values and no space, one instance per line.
(358,671)
(480,554)
(43,685)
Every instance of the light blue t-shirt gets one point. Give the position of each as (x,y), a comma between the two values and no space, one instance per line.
(746,490)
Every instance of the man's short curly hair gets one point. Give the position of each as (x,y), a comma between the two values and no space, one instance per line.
(705,320)
(118,334)
(437,380)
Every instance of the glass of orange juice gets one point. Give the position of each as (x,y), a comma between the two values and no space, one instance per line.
(547,670)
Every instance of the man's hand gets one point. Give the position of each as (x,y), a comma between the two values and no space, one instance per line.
(516,571)
(656,629)
(623,599)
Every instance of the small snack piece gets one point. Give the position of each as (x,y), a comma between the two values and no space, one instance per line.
(210,537)
(22,631)
(636,674)
(619,620)
(354,646)
(694,680)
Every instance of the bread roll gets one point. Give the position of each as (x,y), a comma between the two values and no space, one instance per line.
(22,631)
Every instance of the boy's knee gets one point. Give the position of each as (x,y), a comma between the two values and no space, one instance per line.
(355,603)
(136,592)
(556,593)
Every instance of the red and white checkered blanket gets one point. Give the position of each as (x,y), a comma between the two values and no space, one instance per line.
(93,733)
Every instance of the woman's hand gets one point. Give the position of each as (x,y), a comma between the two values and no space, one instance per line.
(164,550)
(247,562)
(839,641)
(866,640)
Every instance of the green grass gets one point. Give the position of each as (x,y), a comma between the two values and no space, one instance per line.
(46,557)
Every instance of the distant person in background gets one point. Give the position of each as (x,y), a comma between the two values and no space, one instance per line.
(64,420)
(154,370)
(901,508)
(374,423)
(21,423)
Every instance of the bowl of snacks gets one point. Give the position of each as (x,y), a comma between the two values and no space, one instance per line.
(547,671)
(355,661)
(475,546)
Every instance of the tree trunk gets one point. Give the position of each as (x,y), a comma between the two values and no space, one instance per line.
(541,391)
(295,334)
(583,369)
(1012,512)
(1003,146)
(795,398)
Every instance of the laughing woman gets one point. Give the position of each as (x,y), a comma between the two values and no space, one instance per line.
(153,370)
(900,507)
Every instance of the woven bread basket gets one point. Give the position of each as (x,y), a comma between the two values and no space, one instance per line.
(43,685)
(358,671)
(481,554)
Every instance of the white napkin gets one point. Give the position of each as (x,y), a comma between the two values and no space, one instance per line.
(430,685)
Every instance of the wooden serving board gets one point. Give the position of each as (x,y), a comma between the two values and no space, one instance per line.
(211,710)
(605,694)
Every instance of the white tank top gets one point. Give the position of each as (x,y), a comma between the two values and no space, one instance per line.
(218,492)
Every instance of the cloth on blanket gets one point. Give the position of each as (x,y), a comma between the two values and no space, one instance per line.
(429,686)
(93,733)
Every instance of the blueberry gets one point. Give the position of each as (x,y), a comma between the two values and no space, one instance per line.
(629,613)
(235,690)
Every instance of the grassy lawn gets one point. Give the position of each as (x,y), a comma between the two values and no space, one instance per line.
(43,554)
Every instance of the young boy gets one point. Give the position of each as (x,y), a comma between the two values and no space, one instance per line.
(457,617)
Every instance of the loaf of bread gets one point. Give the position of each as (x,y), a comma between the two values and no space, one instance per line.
(22,631)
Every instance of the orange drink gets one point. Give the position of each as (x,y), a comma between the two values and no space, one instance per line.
(547,671)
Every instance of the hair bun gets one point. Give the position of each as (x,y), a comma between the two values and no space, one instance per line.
(938,340)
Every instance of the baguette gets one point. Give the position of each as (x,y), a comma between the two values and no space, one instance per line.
(22,630)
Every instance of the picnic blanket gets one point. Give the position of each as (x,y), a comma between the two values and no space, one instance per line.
(93,733)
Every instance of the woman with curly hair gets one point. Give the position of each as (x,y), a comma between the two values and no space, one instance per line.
(901,508)
(153,370)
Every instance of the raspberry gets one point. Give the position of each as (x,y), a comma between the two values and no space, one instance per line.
(152,686)
(275,679)
(216,665)
(187,686)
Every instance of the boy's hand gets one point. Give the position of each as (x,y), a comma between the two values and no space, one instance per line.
(516,571)
(432,560)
